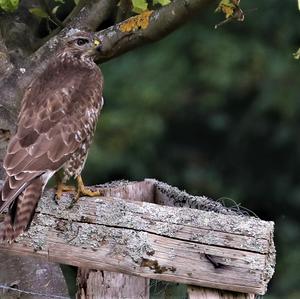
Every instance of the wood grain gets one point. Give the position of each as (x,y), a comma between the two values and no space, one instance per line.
(179,244)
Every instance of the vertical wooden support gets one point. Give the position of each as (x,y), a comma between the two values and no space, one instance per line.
(103,284)
(206,293)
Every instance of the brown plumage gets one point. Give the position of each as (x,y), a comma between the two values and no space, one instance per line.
(56,123)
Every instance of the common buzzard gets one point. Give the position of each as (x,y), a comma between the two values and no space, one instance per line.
(58,115)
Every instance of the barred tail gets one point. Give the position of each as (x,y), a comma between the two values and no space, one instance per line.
(21,211)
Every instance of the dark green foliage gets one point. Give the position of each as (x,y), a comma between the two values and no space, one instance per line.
(215,112)
(139,6)
(167,290)
(70,274)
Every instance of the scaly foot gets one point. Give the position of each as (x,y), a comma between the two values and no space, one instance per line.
(60,188)
(84,191)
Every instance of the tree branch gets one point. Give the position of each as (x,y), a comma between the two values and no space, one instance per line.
(116,39)
(5,63)
(18,30)
(88,15)
(146,28)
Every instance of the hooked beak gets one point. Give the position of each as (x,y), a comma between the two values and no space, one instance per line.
(97,45)
(94,50)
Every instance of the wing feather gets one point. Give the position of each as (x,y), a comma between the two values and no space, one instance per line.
(50,125)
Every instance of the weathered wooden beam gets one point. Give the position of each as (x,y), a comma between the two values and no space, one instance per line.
(206,248)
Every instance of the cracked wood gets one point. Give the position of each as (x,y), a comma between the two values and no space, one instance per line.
(180,244)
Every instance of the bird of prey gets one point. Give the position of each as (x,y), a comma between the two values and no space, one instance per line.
(57,119)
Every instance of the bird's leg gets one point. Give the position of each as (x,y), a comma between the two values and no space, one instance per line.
(61,187)
(84,191)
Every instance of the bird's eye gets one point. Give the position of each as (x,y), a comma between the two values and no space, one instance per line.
(82,41)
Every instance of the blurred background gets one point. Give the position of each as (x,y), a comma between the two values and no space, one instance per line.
(214,112)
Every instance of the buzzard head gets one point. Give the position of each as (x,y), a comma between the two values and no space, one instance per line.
(81,45)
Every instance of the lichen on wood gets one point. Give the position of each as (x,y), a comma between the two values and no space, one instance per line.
(140,21)
(179,244)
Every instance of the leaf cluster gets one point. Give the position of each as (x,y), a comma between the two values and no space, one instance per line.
(9,5)
(139,6)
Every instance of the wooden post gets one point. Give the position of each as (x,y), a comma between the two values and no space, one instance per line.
(104,284)
(93,284)
(212,247)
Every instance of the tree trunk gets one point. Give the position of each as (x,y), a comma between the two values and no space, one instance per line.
(32,275)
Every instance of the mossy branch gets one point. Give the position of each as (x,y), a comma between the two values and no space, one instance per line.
(148,27)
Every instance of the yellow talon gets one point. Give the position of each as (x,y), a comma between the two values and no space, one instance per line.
(60,188)
(85,191)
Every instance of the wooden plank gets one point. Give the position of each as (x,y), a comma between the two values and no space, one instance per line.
(232,231)
(230,252)
(206,293)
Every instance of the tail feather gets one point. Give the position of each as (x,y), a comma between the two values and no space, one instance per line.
(21,212)
(13,186)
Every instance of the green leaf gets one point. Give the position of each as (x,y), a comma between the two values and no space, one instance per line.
(297,54)
(54,10)
(76,2)
(139,5)
(14,3)
(9,5)
(225,4)
(299,4)
(37,11)
(163,2)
